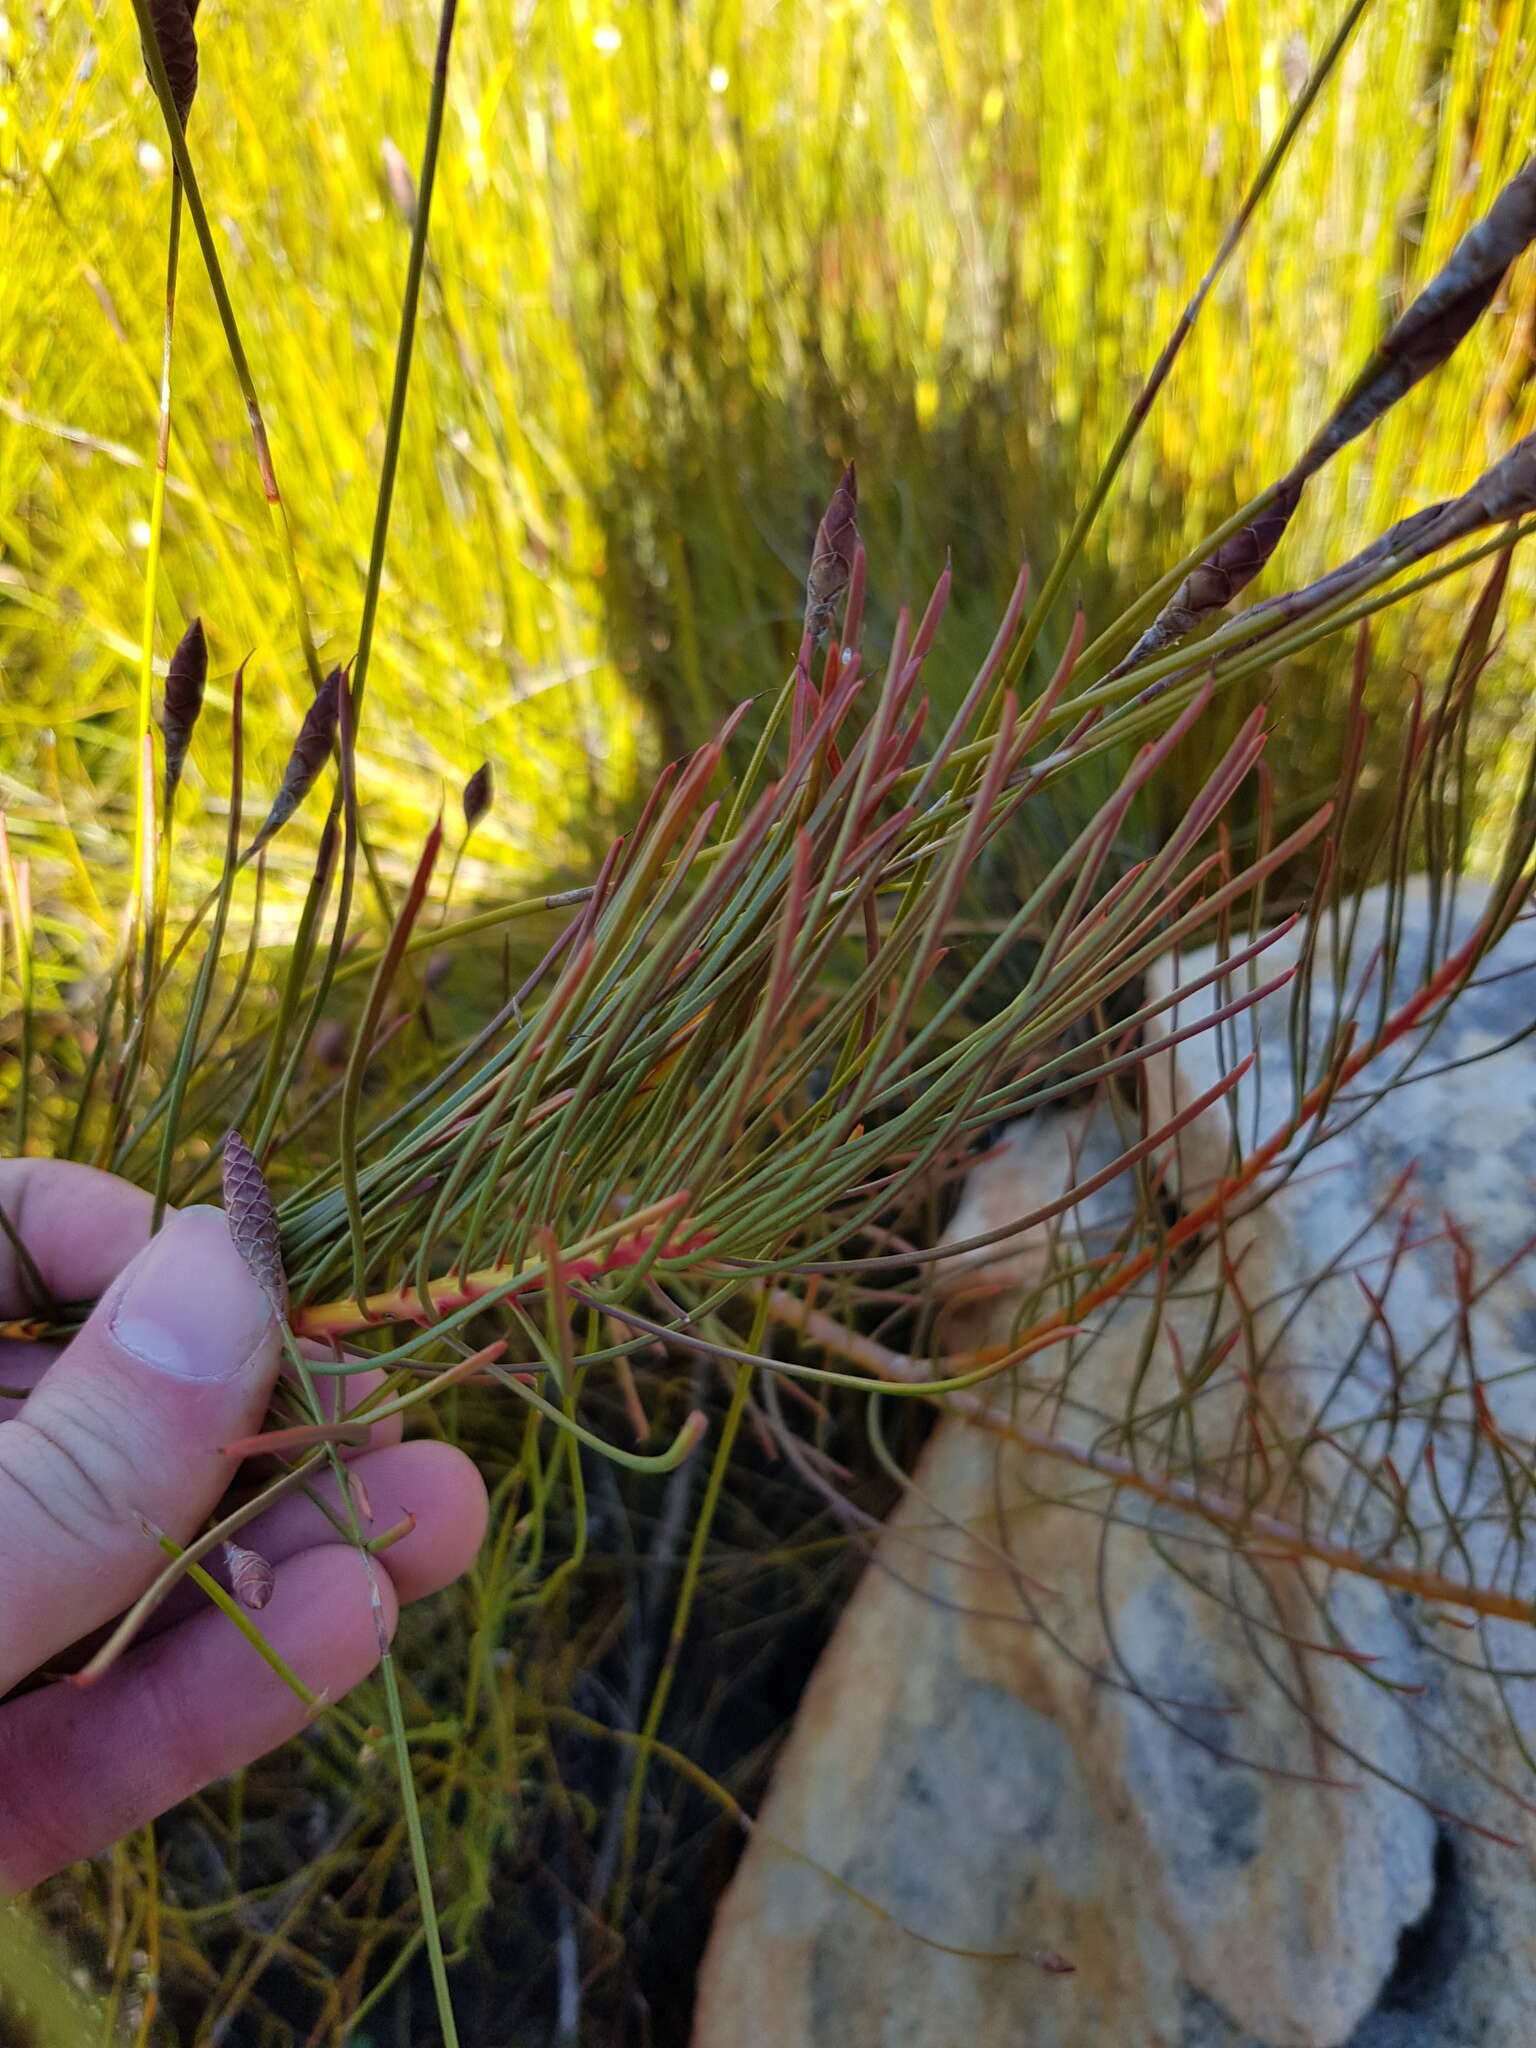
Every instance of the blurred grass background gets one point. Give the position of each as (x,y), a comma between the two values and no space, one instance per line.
(685,260)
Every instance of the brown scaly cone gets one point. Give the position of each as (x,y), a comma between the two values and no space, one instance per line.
(252,1216)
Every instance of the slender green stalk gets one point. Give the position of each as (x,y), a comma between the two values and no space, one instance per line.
(362,1052)
(419,1859)
(187,172)
(1135,419)
(285,1047)
(152,902)
(231,1609)
(186,1050)
(16,895)
(387,1981)
(404,348)
(421,1863)
(399,1740)
(680,1618)
(167,1578)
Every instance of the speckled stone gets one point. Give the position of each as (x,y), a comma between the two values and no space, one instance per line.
(1070,1722)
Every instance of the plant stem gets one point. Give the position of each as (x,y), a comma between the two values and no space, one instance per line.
(684,1608)
(16,894)
(404,348)
(142,853)
(232,337)
(186,1050)
(1072,547)
(399,1742)
(419,1861)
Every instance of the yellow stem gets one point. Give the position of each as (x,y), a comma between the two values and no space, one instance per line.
(143,822)
(450,1291)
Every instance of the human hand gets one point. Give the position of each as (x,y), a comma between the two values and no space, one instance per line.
(120,1428)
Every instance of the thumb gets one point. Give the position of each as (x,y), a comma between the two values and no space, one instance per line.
(178,1357)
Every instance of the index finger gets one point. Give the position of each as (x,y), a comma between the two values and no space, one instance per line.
(80,1228)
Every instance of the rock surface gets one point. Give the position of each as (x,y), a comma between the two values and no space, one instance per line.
(1065,1720)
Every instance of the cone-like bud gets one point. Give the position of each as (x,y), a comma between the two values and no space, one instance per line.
(252,1216)
(477,797)
(1214,582)
(837,540)
(185,682)
(177,38)
(250,1576)
(311,751)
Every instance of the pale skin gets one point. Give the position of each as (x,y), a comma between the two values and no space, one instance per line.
(122,1427)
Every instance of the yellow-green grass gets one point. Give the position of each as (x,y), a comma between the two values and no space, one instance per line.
(682,260)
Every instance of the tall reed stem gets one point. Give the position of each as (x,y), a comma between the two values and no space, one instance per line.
(1135,419)
(232,336)
(404,349)
(142,833)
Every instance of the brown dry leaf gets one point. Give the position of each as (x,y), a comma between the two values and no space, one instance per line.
(1429,331)
(1505,492)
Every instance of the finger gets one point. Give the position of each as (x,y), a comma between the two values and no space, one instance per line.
(340,1393)
(84,1768)
(178,1357)
(21,1367)
(432,1481)
(80,1228)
